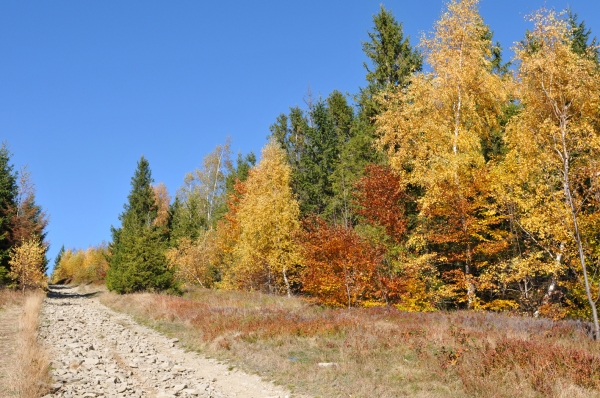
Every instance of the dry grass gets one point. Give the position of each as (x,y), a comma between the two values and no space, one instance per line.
(32,366)
(379,351)
(10,297)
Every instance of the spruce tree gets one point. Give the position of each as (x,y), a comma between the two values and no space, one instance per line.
(393,60)
(8,202)
(580,38)
(137,261)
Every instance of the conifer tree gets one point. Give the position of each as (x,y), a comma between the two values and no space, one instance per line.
(8,201)
(137,260)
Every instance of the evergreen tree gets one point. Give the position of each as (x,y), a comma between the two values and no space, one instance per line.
(239,173)
(290,132)
(8,199)
(137,260)
(580,38)
(318,161)
(392,57)
(58,257)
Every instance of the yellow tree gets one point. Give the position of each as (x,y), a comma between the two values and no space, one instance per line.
(267,218)
(27,263)
(194,262)
(434,131)
(555,151)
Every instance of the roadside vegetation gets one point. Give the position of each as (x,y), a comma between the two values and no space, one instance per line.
(32,364)
(379,351)
(25,362)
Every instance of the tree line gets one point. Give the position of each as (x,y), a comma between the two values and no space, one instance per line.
(471,183)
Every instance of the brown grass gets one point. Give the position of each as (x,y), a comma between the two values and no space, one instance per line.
(32,366)
(10,297)
(379,351)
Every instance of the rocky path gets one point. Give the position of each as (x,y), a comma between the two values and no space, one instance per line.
(97,352)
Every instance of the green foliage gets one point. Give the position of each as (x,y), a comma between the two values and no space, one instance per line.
(580,38)
(8,202)
(392,57)
(59,256)
(137,260)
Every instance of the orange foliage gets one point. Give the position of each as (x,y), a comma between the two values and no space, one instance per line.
(228,232)
(162,200)
(340,266)
(29,221)
(381,200)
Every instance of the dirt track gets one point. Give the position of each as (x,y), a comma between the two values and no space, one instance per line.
(97,352)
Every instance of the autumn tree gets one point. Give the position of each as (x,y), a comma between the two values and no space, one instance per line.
(200,201)
(339,266)
(137,259)
(552,168)
(27,264)
(29,220)
(77,266)
(195,261)
(386,216)
(433,132)
(267,217)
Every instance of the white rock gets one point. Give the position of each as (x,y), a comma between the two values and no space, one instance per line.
(179,387)
(327,364)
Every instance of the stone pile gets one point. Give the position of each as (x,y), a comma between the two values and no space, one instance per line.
(99,353)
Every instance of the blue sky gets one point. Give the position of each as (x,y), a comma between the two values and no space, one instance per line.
(87,87)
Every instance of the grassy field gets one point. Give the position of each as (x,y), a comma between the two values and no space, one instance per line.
(377,352)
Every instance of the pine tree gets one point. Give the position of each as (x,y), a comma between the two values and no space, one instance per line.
(580,38)
(137,260)
(8,202)
(58,258)
(392,57)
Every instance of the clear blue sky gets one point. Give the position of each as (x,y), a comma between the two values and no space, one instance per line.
(87,87)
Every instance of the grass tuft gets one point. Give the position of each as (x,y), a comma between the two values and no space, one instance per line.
(32,368)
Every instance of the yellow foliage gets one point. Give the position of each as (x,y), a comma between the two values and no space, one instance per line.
(265,254)
(194,262)
(27,263)
(433,132)
(550,176)
(82,265)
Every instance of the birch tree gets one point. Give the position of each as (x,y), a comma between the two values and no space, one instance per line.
(267,218)
(27,264)
(433,132)
(555,150)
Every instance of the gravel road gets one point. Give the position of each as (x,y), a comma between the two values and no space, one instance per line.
(97,352)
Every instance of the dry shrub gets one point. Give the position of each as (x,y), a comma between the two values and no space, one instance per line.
(380,351)
(32,370)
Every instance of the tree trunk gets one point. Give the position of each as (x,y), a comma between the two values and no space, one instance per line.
(577,235)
